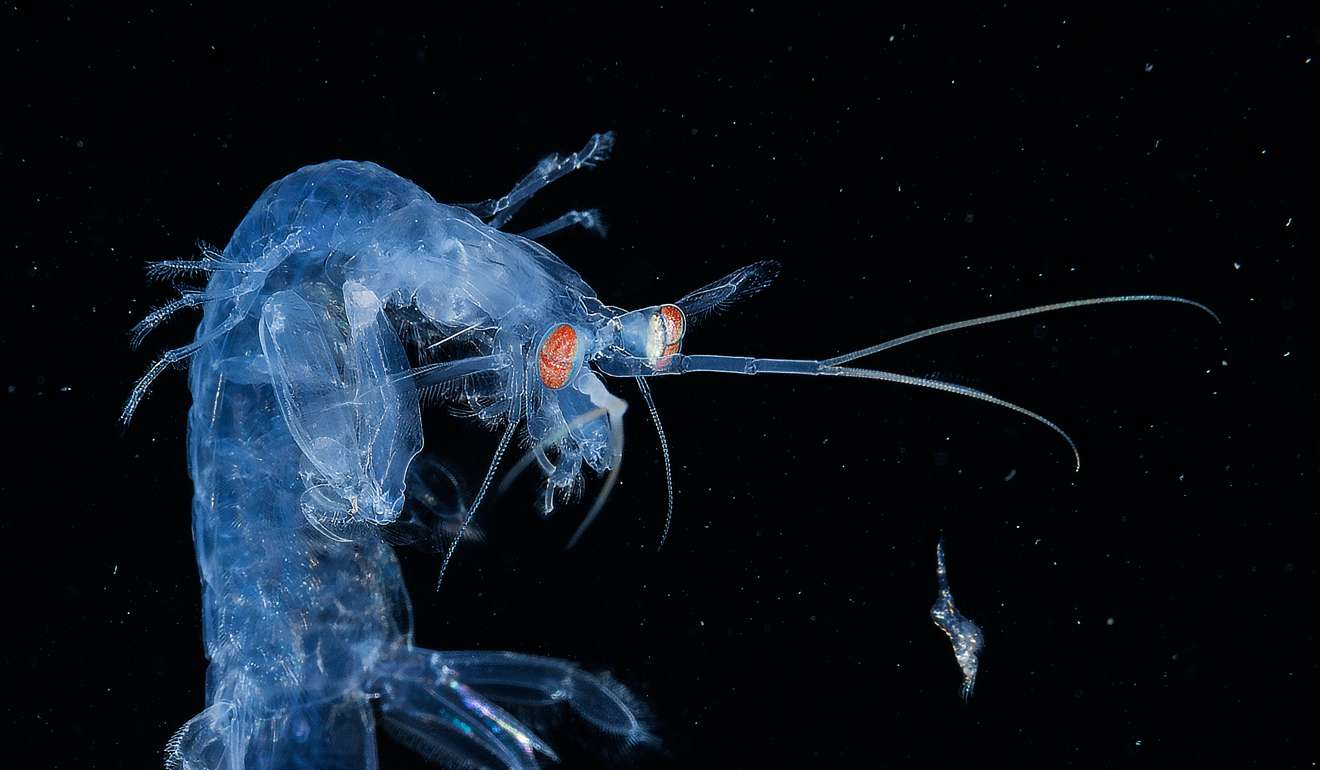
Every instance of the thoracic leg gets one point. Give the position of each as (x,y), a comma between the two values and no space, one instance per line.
(589,219)
(552,167)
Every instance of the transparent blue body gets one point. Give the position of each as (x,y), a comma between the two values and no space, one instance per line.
(345,299)
(304,422)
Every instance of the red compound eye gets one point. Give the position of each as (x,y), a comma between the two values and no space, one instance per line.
(558,356)
(675,324)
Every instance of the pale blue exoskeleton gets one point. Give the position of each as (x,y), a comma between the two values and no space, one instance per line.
(346,301)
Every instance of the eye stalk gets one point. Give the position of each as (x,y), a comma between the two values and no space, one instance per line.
(559,356)
(651,335)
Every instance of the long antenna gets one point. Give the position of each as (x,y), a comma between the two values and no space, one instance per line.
(481,494)
(989,319)
(664,452)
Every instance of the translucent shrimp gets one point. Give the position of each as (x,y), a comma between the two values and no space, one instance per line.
(964,635)
(346,300)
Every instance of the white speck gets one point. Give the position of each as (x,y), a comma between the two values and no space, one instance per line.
(1237,265)
(1010,475)
(116,570)
(1149,66)
(1109,621)
(1287,353)
(1288,223)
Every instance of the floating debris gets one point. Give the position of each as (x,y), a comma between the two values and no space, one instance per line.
(965,635)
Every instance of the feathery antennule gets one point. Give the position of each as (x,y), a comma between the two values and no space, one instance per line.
(722,294)
(664,453)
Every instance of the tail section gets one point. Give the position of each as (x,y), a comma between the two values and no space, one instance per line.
(440,704)
(513,678)
(205,741)
(443,705)
(337,735)
(425,706)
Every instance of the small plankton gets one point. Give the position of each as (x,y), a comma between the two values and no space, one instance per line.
(965,635)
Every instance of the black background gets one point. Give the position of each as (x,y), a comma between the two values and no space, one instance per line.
(1155,608)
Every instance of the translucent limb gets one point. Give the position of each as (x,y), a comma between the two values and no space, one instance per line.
(551,167)
(589,219)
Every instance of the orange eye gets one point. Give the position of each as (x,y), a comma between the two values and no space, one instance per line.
(558,357)
(675,324)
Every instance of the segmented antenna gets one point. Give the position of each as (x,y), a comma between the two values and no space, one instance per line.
(664,452)
(481,494)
